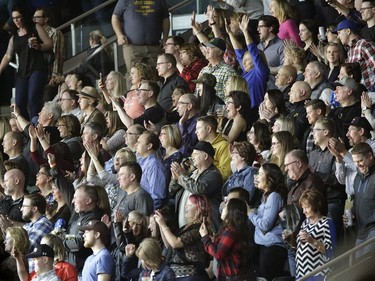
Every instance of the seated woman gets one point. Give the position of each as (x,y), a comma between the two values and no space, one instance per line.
(114,139)
(317,237)
(113,86)
(268,231)
(295,56)
(208,99)
(235,83)
(238,111)
(243,156)
(231,246)
(44,181)
(253,63)
(260,136)
(153,264)
(272,107)
(188,258)
(62,210)
(282,144)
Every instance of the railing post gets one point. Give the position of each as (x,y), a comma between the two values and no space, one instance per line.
(115,55)
(72,29)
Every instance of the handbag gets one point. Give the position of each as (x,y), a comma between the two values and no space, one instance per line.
(49,57)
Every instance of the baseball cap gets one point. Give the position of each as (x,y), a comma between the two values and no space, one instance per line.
(216,43)
(205,147)
(100,227)
(206,78)
(361,122)
(347,82)
(89,92)
(346,23)
(41,250)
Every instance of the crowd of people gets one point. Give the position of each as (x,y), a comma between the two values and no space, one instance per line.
(244,151)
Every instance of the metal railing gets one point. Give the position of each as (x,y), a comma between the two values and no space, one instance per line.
(113,39)
(347,255)
(73,23)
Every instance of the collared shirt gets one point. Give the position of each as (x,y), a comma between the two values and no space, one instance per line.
(192,71)
(58,48)
(153,179)
(226,249)
(363,52)
(188,135)
(77,112)
(274,51)
(222,72)
(347,170)
(37,230)
(47,276)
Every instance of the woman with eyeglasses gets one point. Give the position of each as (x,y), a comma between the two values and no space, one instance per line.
(28,41)
(44,184)
(238,112)
(282,143)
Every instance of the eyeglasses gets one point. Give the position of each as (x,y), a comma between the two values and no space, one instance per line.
(162,63)
(365,8)
(286,165)
(260,26)
(318,129)
(144,90)
(38,17)
(26,206)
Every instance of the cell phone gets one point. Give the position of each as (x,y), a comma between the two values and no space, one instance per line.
(101,77)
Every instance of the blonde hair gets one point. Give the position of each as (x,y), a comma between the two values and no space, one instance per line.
(286,142)
(4,126)
(119,84)
(129,154)
(20,238)
(57,245)
(283,10)
(298,54)
(237,83)
(149,250)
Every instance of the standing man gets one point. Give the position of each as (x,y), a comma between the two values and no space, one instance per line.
(364,192)
(167,69)
(42,18)
(359,50)
(368,15)
(138,28)
(315,109)
(98,266)
(136,198)
(206,131)
(271,45)
(153,171)
(215,49)
(33,210)
(43,260)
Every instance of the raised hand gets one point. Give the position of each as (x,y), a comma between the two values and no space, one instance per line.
(244,24)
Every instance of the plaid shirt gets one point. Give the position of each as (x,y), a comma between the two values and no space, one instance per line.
(191,72)
(222,72)
(226,249)
(58,48)
(363,52)
(37,230)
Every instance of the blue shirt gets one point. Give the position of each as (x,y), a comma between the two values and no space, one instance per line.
(101,263)
(257,77)
(153,179)
(267,229)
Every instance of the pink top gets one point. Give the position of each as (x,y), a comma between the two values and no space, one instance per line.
(131,104)
(289,30)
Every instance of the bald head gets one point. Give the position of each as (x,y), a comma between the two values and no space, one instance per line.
(286,75)
(14,182)
(300,91)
